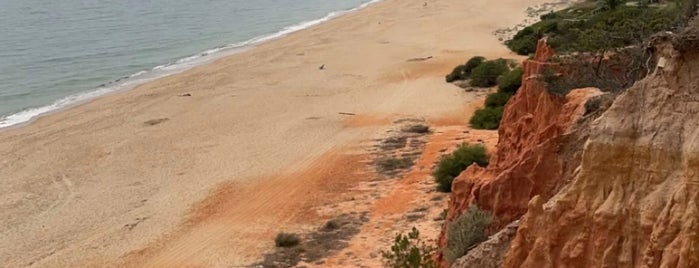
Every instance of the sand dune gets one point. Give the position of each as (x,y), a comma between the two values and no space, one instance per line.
(151,178)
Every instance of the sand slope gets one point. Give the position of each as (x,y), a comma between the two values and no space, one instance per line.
(120,180)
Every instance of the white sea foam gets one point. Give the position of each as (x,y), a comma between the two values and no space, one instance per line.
(165,70)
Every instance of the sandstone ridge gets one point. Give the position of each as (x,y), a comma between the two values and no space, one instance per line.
(633,202)
(529,160)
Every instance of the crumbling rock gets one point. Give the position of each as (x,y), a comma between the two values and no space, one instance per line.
(633,201)
(528,162)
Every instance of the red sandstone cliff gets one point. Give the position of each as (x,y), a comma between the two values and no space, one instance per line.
(528,161)
(634,200)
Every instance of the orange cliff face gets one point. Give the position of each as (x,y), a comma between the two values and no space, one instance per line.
(527,162)
(634,201)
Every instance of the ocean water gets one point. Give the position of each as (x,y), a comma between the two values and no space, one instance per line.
(57,53)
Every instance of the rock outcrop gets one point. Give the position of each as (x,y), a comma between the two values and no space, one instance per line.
(491,253)
(528,160)
(633,201)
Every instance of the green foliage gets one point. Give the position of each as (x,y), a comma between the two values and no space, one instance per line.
(456,74)
(472,63)
(611,4)
(287,240)
(511,81)
(409,251)
(612,25)
(463,72)
(452,165)
(613,73)
(549,16)
(524,42)
(495,100)
(465,232)
(487,118)
(486,74)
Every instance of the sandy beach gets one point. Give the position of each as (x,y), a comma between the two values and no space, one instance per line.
(203,168)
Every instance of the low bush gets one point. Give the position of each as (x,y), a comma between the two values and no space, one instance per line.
(524,42)
(495,100)
(463,72)
(452,165)
(393,164)
(287,240)
(511,81)
(467,231)
(612,24)
(409,251)
(486,74)
(472,63)
(332,225)
(487,118)
(456,74)
(419,129)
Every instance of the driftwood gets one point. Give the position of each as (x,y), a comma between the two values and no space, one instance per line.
(421,59)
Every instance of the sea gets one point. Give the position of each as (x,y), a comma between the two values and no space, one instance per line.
(54,54)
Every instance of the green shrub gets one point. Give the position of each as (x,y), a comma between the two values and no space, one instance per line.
(486,74)
(511,81)
(487,118)
(462,72)
(287,240)
(611,24)
(524,42)
(495,100)
(465,232)
(456,74)
(472,64)
(409,251)
(452,165)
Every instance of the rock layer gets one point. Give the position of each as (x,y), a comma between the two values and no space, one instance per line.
(528,160)
(633,201)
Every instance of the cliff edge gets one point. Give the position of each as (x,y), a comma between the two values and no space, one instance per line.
(633,200)
(529,160)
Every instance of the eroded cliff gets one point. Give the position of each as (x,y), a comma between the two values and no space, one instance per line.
(633,200)
(533,138)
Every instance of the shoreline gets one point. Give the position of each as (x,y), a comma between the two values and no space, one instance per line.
(132,81)
(121,179)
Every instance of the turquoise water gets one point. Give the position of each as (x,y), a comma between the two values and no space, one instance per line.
(56,53)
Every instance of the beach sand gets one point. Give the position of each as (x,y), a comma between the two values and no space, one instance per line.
(152,177)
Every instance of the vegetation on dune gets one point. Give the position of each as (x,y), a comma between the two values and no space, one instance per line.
(511,80)
(418,129)
(487,118)
(487,73)
(287,240)
(601,43)
(602,25)
(497,99)
(392,164)
(463,72)
(409,251)
(524,42)
(452,165)
(467,231)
